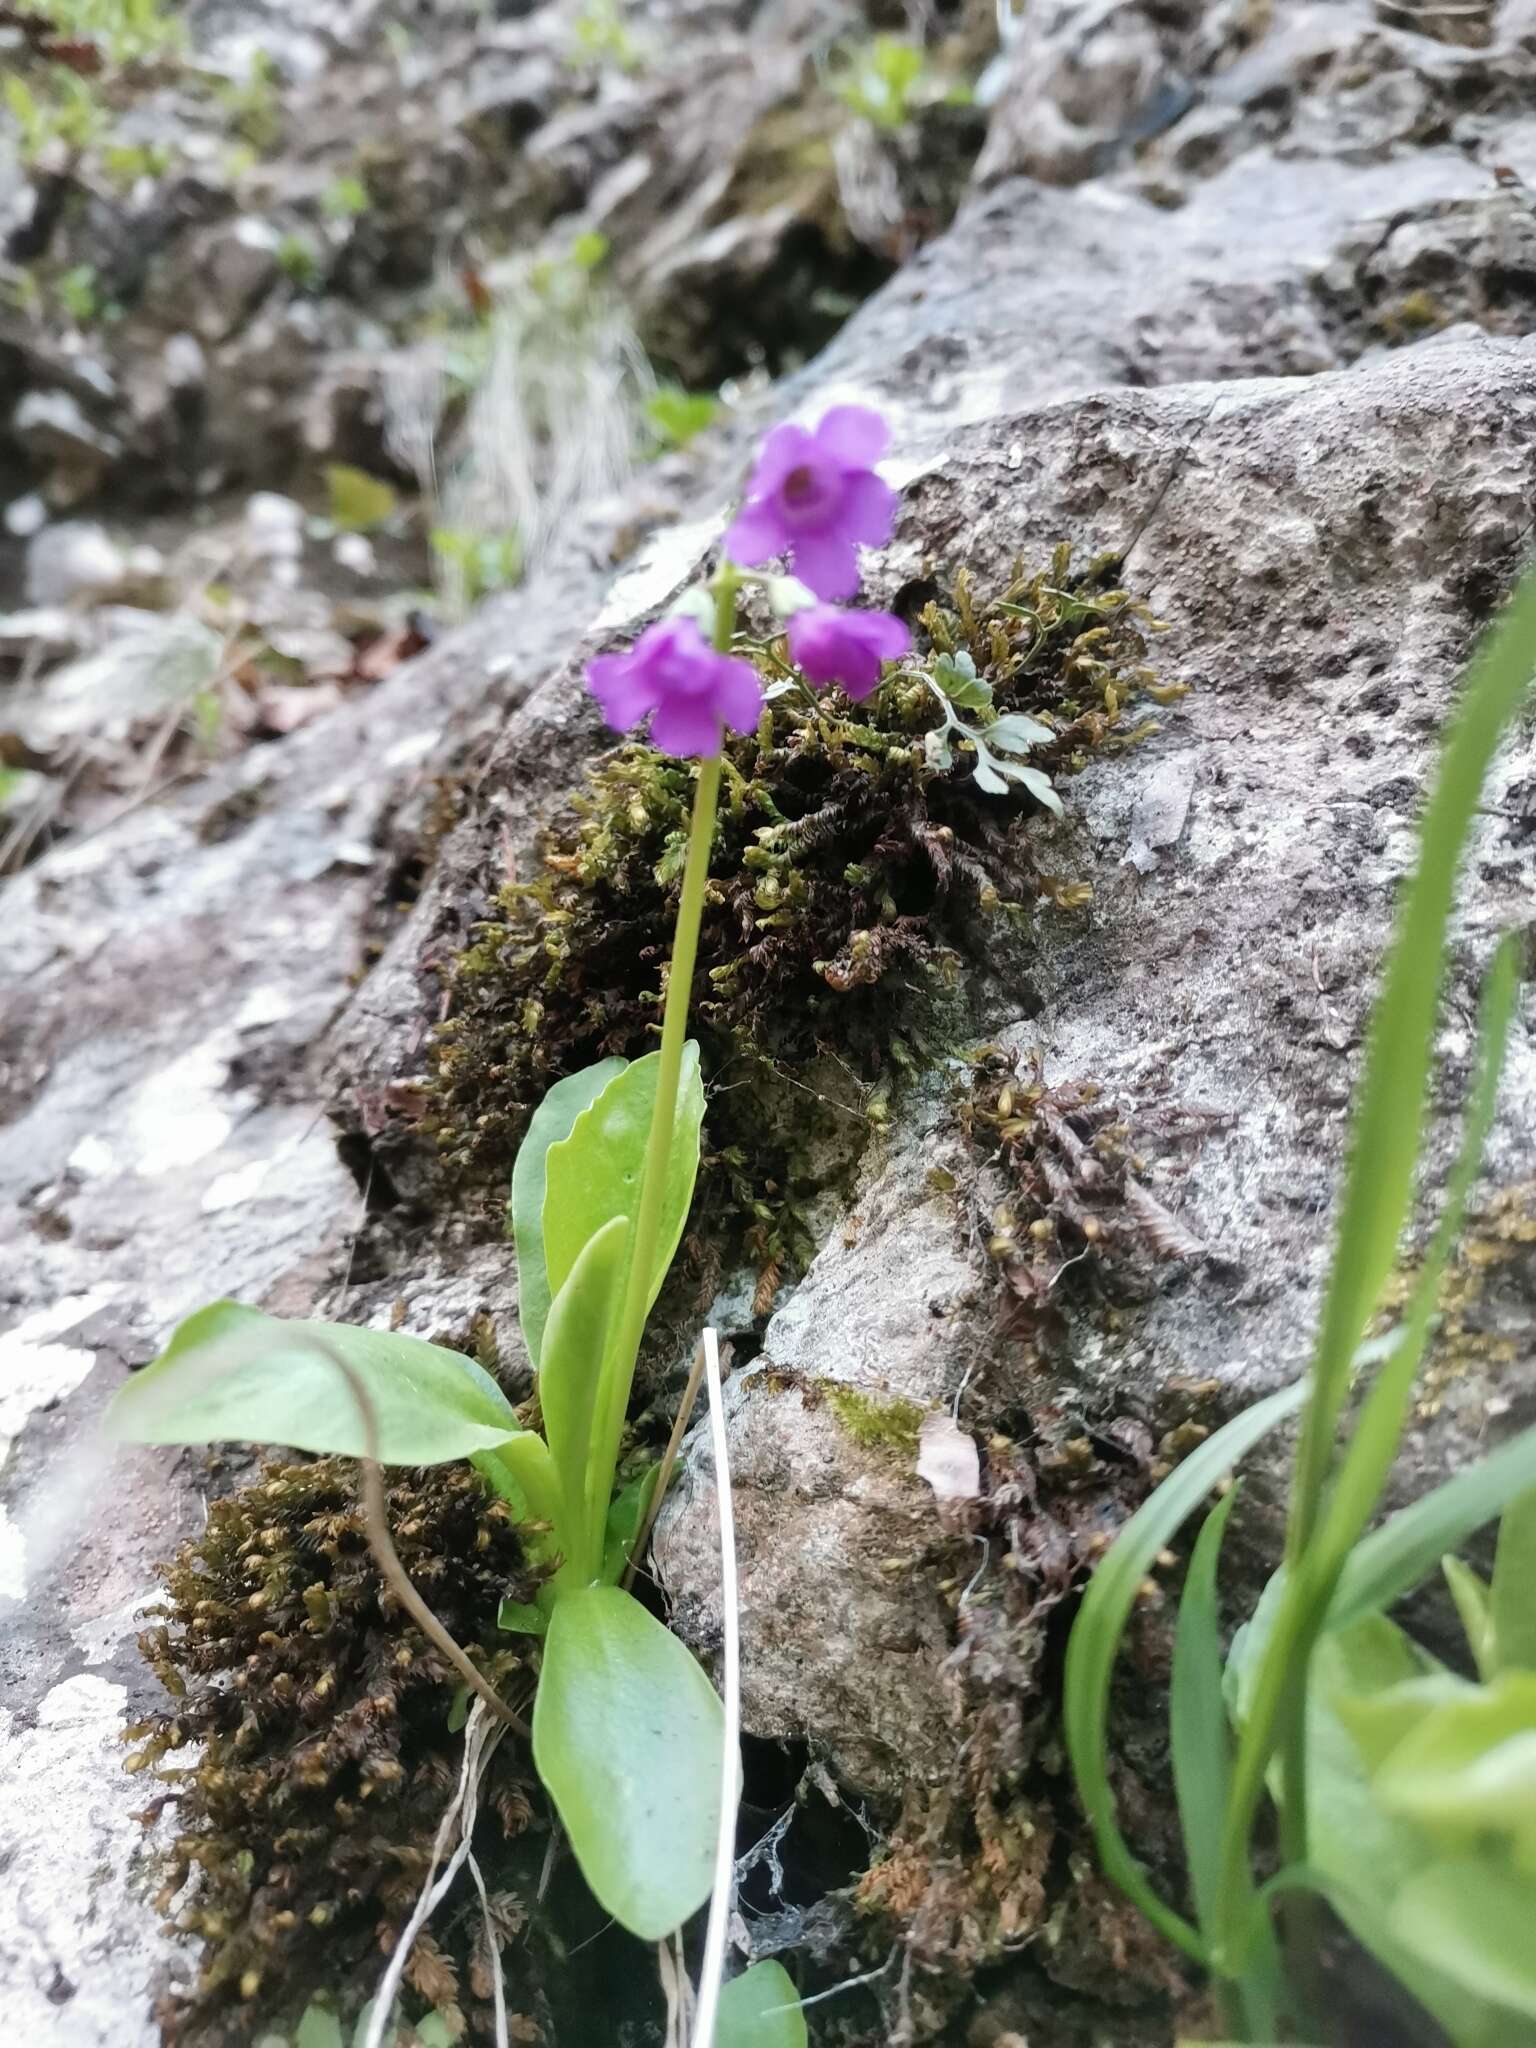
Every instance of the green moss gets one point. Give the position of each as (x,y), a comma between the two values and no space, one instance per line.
(316,1719)
(1417,312)
(851,874)
(874,1422)
(1472,1334)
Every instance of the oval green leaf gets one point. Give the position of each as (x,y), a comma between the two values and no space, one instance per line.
(550,1122)
(627,1735)
(575,1342)
(594,1174)
(760,2009)
(233,1375)
(1472,1920)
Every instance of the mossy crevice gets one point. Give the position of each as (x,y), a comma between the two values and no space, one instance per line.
(852,877)
(316,1718)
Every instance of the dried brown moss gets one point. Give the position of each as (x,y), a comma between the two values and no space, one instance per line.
(850,874)
(305,1823)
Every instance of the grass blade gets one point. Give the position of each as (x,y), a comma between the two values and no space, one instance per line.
(1202,1763)
(1197,1716)
(1374,1442)
(1393,1559)
(1100,1624)
(1385,1141)
(1513,1603)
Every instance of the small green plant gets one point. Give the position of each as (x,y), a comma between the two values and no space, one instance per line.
(124,31)
(475,565)
(627,1733)
(1385,1776)
(76,291)
(359,503)
(299,261)
(601,39)
(888,80)
(677,416)
(954,681)
(345,198)
(123,164)
(252,105)
(69,114)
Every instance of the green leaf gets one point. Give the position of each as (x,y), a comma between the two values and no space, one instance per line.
(627,1736)
(318,2029)
(626,1512)
(550,1122)
(1015,733)
(1475,1609)
(359,502)
(1513,1593)
(344,198)
(956,676)
(760,2009)
(1469,1765)
(1100,1624)
(1377,1434)
(1474,1922)
(575,1344)
(1389,1119)
(1036,781)
(986,775)
(523,1473)
(1378,1721)
(1197,1716)
(594,1173)
(1364,1854)
(1395,1558)
(231,1374)
(521,1618)
(679,416)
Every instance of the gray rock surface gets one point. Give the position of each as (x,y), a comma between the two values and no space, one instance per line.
(1175,318)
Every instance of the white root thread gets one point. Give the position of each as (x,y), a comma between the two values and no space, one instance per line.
(712,1968)
(481,1735)
(493,1949)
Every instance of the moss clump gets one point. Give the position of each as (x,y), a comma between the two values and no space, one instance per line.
(326,1758)
(1073,1196)
(1471,1334)
(848,868)
(874,1422)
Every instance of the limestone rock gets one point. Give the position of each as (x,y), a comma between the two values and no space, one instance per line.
(1175,318)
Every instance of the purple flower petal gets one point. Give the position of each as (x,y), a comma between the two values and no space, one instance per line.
(686,726)
(620,686)
(854,434)
(757,534)
(888,635)
(869,508)
(845,647)
(784,448)
(826,563)
(738,694)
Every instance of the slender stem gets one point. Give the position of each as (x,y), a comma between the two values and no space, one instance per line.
(665,1468)
(387,1558)
(674,1026)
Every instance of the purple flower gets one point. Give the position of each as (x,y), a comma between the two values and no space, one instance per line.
(813,496)
(674,672)
(846,647)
